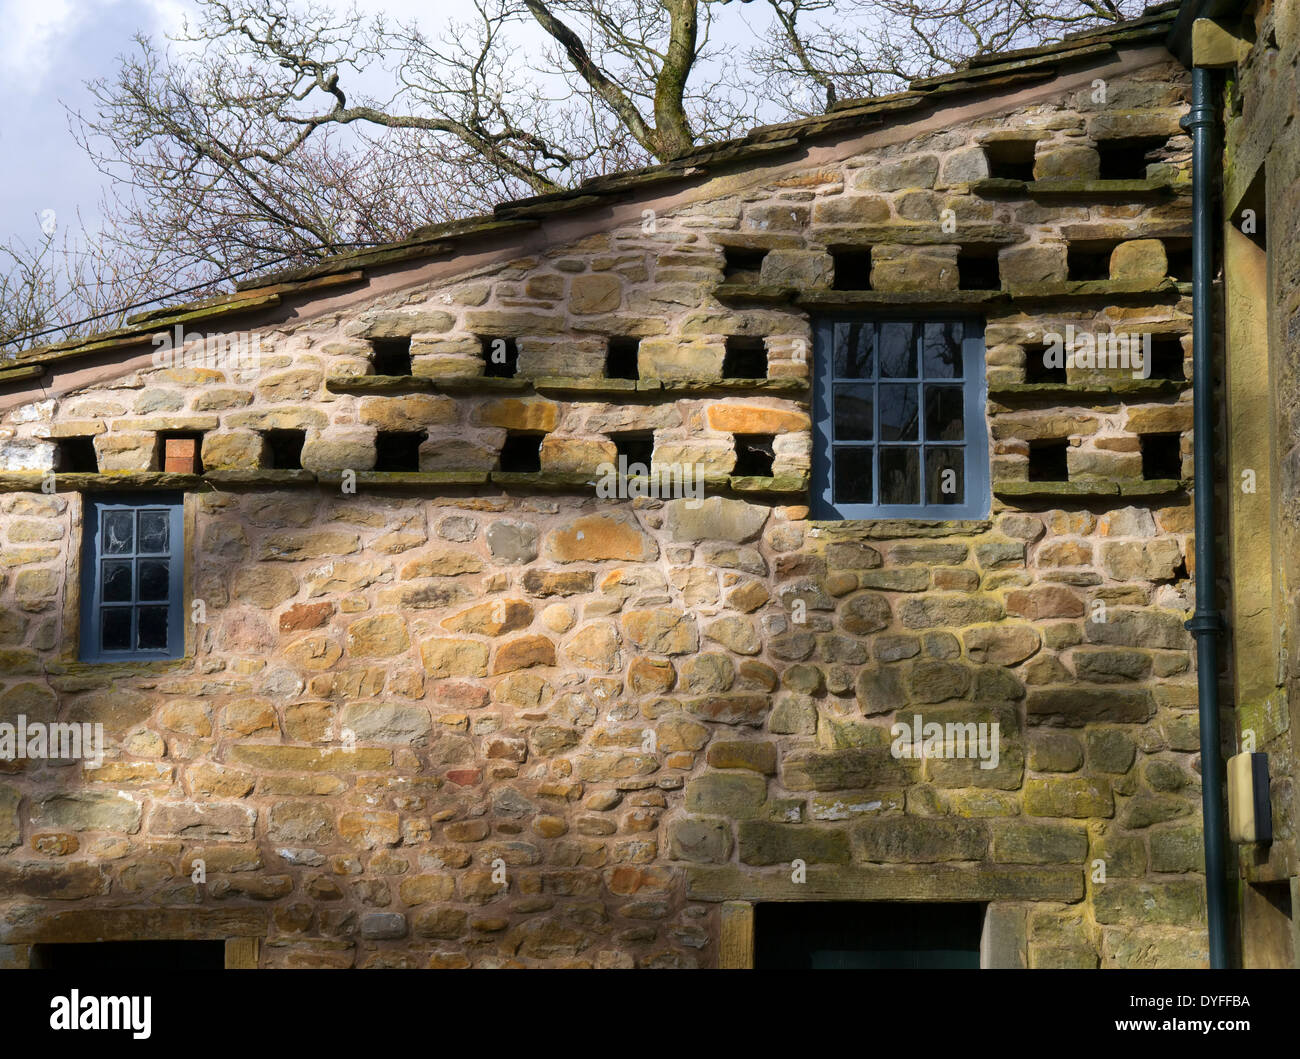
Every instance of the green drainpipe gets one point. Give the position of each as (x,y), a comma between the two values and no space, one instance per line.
(1206,624)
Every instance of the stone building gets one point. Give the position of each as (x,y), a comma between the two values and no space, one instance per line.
(392,671)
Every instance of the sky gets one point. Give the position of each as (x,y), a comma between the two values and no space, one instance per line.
(49,48)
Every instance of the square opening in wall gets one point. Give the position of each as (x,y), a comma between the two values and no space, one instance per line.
(1166,358)
(635,450)
(1179,254)
(852,269)
(1089,260)
(977,269)
(1162,457)
(742,264)
(500,356)
(398,450)
(75,455)
(180,452)
(522,452)
(284,449)
(391,356)
(1037,369)
(621,358)
(1126,159)
(1048,462)
(754,455)
(1011,159)
(746,358)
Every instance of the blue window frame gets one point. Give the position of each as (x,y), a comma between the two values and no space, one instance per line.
(132,578)
(899,418)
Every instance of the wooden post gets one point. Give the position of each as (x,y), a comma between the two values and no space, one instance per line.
(736,946)
(241,954)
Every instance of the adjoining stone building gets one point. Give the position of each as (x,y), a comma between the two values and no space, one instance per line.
(389,674)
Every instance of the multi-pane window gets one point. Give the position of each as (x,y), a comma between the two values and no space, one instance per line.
(132,581)
(900,419)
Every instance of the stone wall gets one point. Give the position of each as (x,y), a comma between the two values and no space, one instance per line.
(637,709)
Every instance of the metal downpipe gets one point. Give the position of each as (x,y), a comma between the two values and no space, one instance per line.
(1206,624)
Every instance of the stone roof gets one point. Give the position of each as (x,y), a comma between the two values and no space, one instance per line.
(986,74)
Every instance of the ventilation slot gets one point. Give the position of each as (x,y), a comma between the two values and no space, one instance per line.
(621,358)
(746,358)
(284,449)
(742,265)
(635,451)
(1047,461)
(977,269)
(391,356)
(1166,357)
(500,356)
(852,269)
(1036,369)
(398,450)
(1179,253)
(522,452)
(1127,159)
(1011,159)
(1089,260)
(754,455)
(75,455)
(1161,458)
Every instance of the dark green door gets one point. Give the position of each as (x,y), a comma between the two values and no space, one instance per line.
(865,934)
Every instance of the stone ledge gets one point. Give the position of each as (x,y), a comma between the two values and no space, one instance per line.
(1100,487)
(110,481)
(600,387)
(996,187)
(1065,391)
(855,300)
(925,882)
(380,384)
(781,484)
(26,371)
(701,386)
(1084,289)
(479,384)
(406,478)
(260,476)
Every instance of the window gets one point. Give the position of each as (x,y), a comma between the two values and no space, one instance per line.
(900,419)
(391,356)
(132,589)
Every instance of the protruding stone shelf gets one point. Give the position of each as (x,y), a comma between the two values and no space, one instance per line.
(260,476)
(480,384)
(1085,289)
(779,485)
(1087,391)
(406,479)
(595,387)
(21,373)
(1126,190)
(109,481)
(379,384)
(1100,487)
(779,386)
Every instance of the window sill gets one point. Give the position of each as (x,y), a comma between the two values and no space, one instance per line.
(110,481)
(891,528)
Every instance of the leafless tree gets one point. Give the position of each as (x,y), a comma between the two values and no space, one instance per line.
(280,130)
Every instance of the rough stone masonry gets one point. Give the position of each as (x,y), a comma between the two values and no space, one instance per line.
(460,715)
